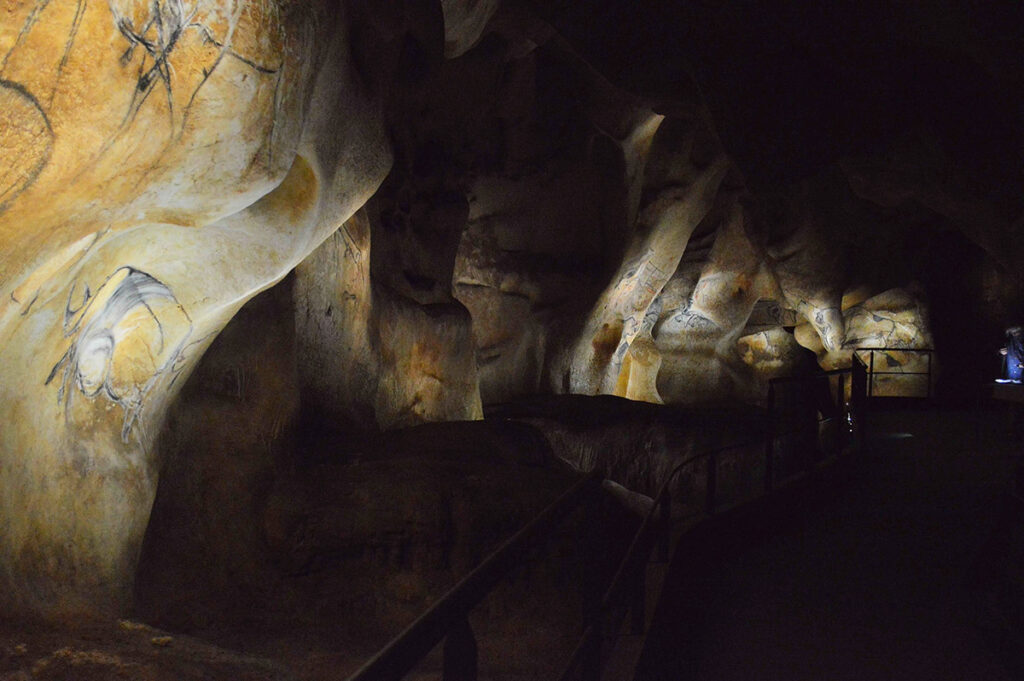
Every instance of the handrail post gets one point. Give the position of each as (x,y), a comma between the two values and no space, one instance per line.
(844,419)
(929,375)
(638,609)
(858,402)
(665,533)
(871,374)
(449,613)
(593,591)
(810,453)
(712,482)
(769,443)
(460,653)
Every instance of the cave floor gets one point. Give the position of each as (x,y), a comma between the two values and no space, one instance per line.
(876,575)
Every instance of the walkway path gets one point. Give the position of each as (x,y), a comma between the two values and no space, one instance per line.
(868,581)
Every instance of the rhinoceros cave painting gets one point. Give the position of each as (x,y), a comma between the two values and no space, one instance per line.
(307,307)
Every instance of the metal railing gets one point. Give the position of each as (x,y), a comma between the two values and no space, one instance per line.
(628,587)
(899,378)
(448,618)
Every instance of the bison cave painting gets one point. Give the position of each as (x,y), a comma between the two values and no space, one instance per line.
(122,342)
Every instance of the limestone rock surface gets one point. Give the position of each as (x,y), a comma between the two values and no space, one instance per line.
(167,161)
(480,201)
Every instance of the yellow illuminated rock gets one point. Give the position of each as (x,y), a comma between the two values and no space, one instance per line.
(663,230)
(162,162)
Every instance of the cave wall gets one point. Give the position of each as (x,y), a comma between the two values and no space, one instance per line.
(481,201)
(165,164)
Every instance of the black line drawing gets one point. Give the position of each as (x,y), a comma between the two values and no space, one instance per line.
(633,327)
(352,250)
(131,308)
(824,327)
(31,21)
(26,28)
(156,29)
(25,148)
(76,23)
(26,136)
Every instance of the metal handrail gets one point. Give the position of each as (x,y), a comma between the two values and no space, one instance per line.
(870,364)
(448,618)
(588,645)
(814,376)
(589,648)
(449,613)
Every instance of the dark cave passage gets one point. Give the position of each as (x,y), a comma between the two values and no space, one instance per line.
(894,569)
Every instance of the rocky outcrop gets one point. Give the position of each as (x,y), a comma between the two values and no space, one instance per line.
(371,357)
(184,157)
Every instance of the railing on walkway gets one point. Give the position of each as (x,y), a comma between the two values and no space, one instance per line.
(789,430)
(628,589)
(448,618)
(894,380)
